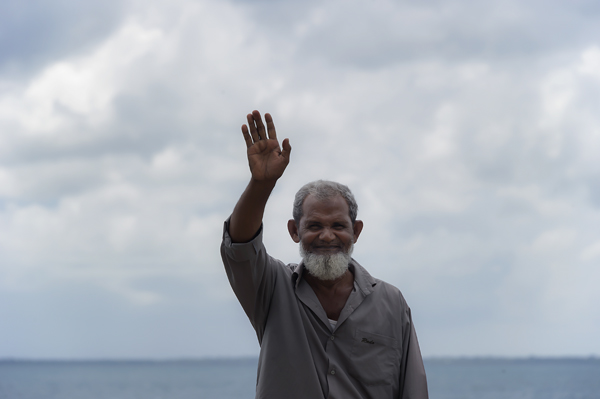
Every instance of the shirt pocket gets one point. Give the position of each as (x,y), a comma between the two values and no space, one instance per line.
(374,358)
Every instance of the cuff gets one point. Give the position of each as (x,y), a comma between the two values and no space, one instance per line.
(241,250)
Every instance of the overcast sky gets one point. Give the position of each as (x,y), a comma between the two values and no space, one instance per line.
(469,132)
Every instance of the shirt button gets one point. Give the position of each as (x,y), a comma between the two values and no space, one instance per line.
(332,372)
(332,337)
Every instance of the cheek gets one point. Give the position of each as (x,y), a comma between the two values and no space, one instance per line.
(347,238)
(308,238)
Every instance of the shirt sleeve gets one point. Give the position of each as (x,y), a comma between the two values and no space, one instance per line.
(252,275)
(413,381)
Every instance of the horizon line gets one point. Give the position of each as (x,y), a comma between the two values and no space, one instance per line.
(9,359)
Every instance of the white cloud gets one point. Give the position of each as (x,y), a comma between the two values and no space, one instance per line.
(554,240)
(80,87)
(474,168)
(591,252)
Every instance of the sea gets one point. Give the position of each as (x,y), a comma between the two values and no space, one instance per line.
(448,378)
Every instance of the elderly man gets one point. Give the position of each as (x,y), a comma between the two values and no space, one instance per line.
(326,328)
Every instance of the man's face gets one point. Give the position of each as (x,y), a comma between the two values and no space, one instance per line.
(325,227)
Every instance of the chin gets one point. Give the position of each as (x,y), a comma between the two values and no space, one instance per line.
(326,266)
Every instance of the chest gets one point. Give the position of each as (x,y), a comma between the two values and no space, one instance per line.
(333,304)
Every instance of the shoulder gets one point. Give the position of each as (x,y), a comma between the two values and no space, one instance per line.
(381,290)
(391,293)
(371,285)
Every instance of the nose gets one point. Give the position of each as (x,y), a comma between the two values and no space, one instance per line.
(327,235)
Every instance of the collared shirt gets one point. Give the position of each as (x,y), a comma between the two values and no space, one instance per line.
(372,352)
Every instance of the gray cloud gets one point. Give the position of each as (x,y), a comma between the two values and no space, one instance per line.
(368,35)
(37,32)
(467,131)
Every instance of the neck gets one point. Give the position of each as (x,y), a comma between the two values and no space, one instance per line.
(332,294)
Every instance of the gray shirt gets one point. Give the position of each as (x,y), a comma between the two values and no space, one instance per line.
(371,353)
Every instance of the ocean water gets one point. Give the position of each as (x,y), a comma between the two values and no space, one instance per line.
(513,378)
(236,378)
(210,379)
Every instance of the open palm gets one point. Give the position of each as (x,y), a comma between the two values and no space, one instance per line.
(266,158)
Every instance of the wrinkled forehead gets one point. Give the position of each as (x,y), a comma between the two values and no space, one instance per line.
(334,206)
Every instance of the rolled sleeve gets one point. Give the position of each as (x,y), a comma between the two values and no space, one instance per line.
(252,274)
(241,251)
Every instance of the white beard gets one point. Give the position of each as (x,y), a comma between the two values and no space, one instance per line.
(326,267)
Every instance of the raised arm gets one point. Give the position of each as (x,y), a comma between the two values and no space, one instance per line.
(267,162)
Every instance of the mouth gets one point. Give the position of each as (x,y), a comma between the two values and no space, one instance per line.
(326,249)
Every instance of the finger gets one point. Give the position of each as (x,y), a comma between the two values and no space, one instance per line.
(287,149)
(270,127)
(252,126)
(259,125)
(247,136)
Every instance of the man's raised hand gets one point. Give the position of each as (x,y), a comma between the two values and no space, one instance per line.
(267,163)
(267,160)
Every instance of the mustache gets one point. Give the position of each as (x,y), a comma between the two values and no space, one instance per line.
(304,250)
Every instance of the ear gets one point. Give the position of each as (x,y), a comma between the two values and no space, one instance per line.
(293,229)
(358,226)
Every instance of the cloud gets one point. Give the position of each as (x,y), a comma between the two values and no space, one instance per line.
(34,33)
(469,134)
(377,34)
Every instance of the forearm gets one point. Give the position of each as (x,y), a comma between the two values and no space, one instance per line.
(248,213)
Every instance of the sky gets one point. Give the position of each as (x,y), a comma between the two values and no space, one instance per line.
(468,131)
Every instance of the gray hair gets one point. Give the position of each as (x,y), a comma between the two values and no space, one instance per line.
(323,189)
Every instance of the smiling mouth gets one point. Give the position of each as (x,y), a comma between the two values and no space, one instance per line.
(334,248)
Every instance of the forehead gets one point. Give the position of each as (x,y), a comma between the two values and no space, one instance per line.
(332,208)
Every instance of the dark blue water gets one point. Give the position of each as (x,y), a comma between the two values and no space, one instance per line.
(236,378)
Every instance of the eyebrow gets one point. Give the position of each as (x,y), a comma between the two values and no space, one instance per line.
(335,222)
(312,222)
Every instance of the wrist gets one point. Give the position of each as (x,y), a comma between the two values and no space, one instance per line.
(263,183)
